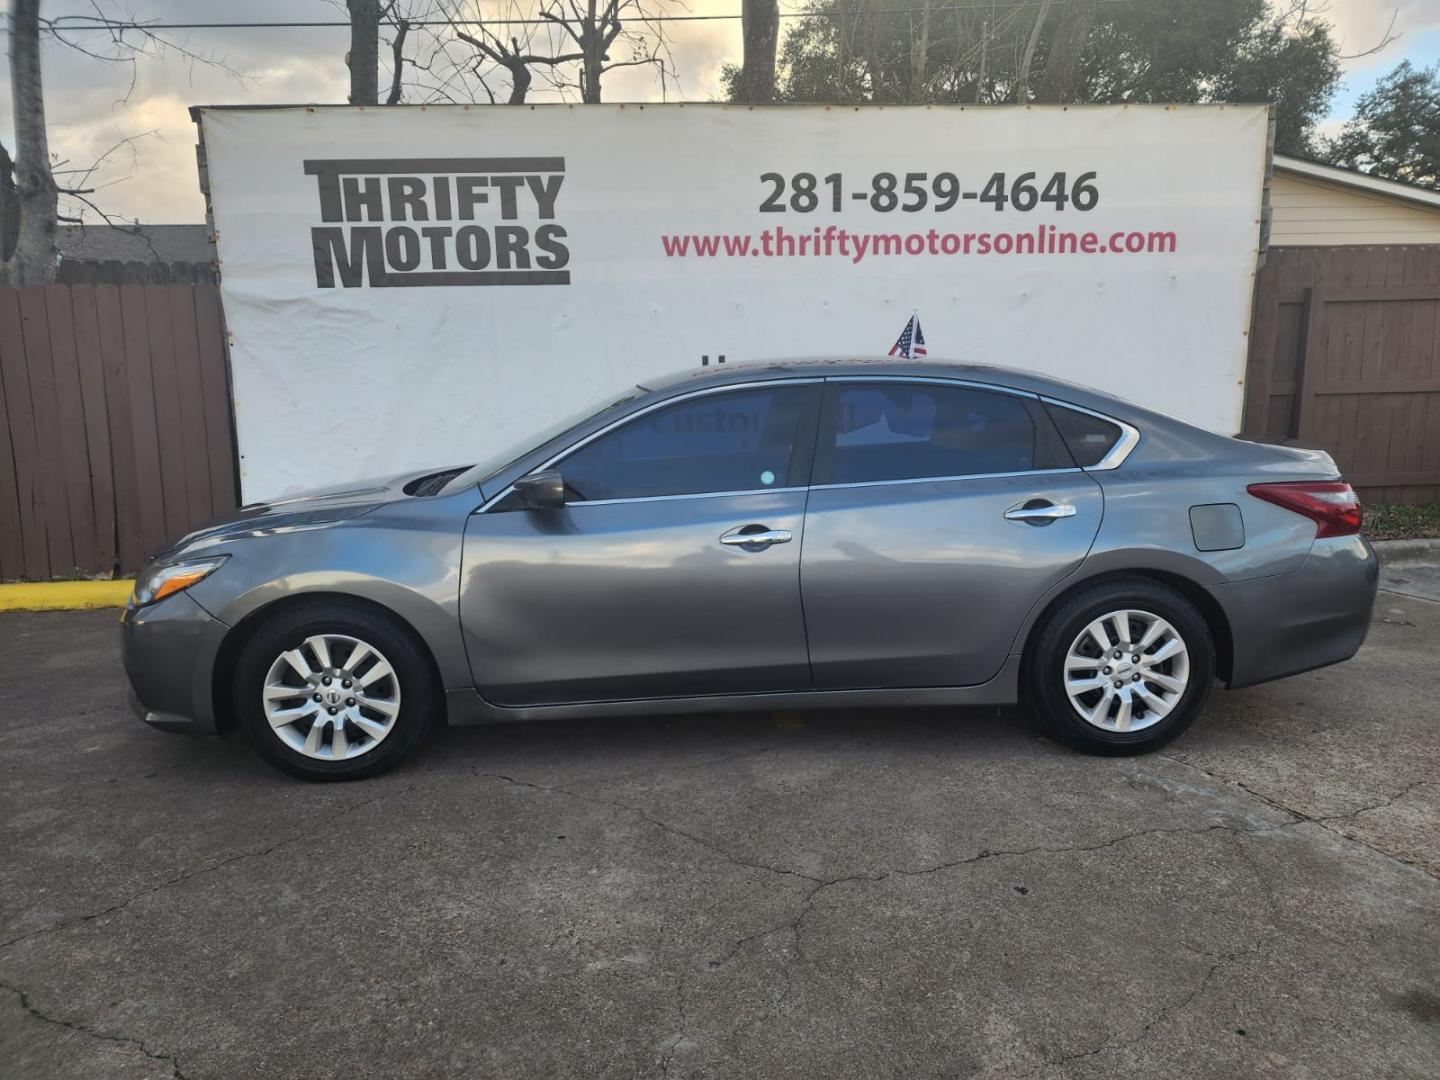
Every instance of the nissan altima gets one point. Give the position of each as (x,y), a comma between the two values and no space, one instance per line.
(790,535)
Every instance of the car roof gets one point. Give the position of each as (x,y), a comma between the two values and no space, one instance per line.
(839,366)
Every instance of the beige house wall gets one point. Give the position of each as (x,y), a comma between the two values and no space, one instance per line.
(1308,212)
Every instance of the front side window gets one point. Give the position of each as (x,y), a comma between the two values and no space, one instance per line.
(742,440)
(904,431)
(477,474)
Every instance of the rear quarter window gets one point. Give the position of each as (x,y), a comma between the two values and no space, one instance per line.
(1089,438)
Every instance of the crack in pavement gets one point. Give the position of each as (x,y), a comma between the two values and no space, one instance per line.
(1165,1014)
(169,1059)
(1169,1011)
(1324,821)
(701,841)
(1381,805)
(195,872)
(73,1025)
(794,925)
(682,1010)
(825,883)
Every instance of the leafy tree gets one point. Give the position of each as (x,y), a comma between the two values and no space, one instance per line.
(1395,132)
(1295,68)
(1157,51)
(1222,50)
(855,53)
(1165,50)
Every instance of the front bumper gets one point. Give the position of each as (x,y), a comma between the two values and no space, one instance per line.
(1317,615)
(169,651)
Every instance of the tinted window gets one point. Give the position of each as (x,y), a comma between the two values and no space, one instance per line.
(475,474)
(901,431)
(740,441)
(1088,437)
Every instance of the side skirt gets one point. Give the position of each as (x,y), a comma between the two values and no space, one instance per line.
(466,707)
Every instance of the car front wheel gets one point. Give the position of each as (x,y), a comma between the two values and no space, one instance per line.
(335,691)
(1122,667)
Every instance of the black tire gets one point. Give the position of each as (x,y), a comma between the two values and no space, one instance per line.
(1044,690)
(415,686)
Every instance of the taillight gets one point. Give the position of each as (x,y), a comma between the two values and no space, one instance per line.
(1331,504)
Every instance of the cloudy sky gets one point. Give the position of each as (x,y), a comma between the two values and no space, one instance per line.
(92,105)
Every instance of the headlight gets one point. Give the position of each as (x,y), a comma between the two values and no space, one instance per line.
(158,582)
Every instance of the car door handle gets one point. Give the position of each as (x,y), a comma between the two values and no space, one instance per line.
(1039,511)
(760,537)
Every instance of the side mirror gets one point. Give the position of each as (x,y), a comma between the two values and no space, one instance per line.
(544,490)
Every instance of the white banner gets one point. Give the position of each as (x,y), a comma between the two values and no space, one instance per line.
(422,286)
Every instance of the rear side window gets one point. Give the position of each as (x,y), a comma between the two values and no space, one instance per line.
(906,431)
(1089,437)
(739,441)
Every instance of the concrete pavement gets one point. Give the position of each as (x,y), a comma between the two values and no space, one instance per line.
(860,894)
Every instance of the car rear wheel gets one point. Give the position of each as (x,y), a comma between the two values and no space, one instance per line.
(335,691)
(1121,668)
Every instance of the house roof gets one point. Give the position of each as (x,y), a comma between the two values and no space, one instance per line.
(139,243)
(1354,178)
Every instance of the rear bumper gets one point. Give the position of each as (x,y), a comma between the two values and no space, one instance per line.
(1317,615)
(169,652)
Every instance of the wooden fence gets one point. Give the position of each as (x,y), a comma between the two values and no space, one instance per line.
(1345,355)
(117,425)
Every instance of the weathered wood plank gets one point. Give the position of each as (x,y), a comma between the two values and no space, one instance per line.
(24,439)
(166,393)
(130,544)
(73,439)
(144,431)
(215,375)
(34,326)
(90,360)
(191,418)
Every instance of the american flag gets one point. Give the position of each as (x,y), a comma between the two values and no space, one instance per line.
(912,340)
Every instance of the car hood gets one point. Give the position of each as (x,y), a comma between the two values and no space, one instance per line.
(307,509)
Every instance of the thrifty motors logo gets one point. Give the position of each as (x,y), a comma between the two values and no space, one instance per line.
(439,221)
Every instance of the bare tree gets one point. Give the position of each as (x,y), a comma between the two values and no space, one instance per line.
(982,79)
(405,22)
(514,58)
(1027,59)
(35,189)
(9,211)
(397,60)
(562,46)
(37,196)
(760,31)
(1062,66)
(363,58)
(596,25)
(919,59)
(1296,14)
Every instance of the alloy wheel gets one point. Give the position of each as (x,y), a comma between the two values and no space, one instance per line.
(332,697)
(1126,671)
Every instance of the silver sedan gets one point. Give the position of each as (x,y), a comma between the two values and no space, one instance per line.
(788,535)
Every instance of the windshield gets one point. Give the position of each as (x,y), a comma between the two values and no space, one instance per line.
(477,474)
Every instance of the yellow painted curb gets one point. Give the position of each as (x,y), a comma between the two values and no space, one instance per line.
(64,595)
